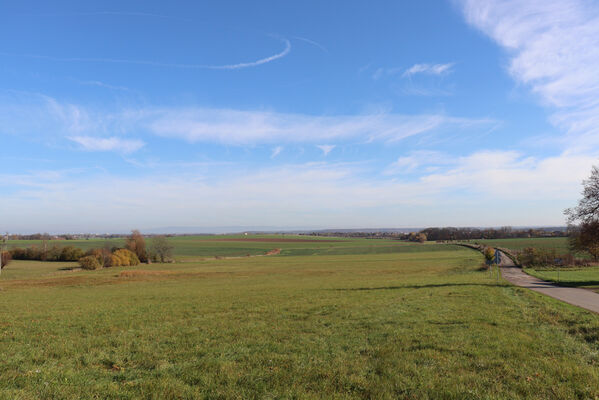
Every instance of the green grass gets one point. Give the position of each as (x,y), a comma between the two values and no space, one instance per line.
(196,248)
(560,244)
(406,324)
(585,277)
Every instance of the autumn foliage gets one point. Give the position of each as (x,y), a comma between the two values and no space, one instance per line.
(137,244)
(89,262)
(6,258)
(124,258)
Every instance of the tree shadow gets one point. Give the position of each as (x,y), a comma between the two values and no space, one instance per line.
(593,283)
(73,268)
(428,286)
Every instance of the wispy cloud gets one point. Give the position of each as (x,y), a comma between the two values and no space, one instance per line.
(43,116)
(276,151)
(108,144)
(247,127)
(420,161)
(240,65)
(326,148)
(554,48)
(428,69)
(105,85)
(382,72)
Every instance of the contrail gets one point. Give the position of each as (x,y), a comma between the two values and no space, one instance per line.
(312,42)
(261,61)
(94,13)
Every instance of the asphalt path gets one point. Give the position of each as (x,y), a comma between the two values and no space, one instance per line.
(575,296)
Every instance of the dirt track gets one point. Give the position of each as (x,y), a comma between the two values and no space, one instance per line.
(575,296)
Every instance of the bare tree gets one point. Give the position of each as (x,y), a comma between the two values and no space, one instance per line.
(161,249)
(137,244)
(584,236)
(587,209)
(5,256)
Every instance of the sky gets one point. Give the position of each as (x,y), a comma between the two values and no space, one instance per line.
(118,115)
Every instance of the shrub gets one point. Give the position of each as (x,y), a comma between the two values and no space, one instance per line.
(104,256)
(89,262)
(124,258)
(160,249)
(70,253)
(54,253)
(532,257)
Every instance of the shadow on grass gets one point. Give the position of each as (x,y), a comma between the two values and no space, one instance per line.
(432,285)
(73,268)
(592,284)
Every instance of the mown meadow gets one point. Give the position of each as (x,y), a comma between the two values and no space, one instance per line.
(360,319)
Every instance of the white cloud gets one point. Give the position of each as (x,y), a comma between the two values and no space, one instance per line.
(554,48)
(483,188)
(105,85)
(428,69)
(418,161)
(108,144)
(42,116)
(247,127)
(326,148)
(511,175)
(276,151)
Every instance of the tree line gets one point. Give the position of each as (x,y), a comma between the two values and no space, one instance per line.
(450,233)
(133,253)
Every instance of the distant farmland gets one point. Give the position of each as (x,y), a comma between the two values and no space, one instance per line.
(560,244)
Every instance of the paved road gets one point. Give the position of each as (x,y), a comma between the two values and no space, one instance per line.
(578,297)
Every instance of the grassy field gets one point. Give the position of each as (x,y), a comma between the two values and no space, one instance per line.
(198,248)
(560,244)
(420,322)
(587,277)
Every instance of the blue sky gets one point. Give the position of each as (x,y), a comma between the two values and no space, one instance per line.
(120,115)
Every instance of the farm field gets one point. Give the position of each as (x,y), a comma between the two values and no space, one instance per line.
(420,322)
(197,248)
(560,244)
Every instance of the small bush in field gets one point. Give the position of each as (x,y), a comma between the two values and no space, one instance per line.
(124,258)
(89,262)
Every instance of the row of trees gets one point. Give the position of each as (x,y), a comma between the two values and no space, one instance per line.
(134,252)
(450,233)
(533,257)
(54,253)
